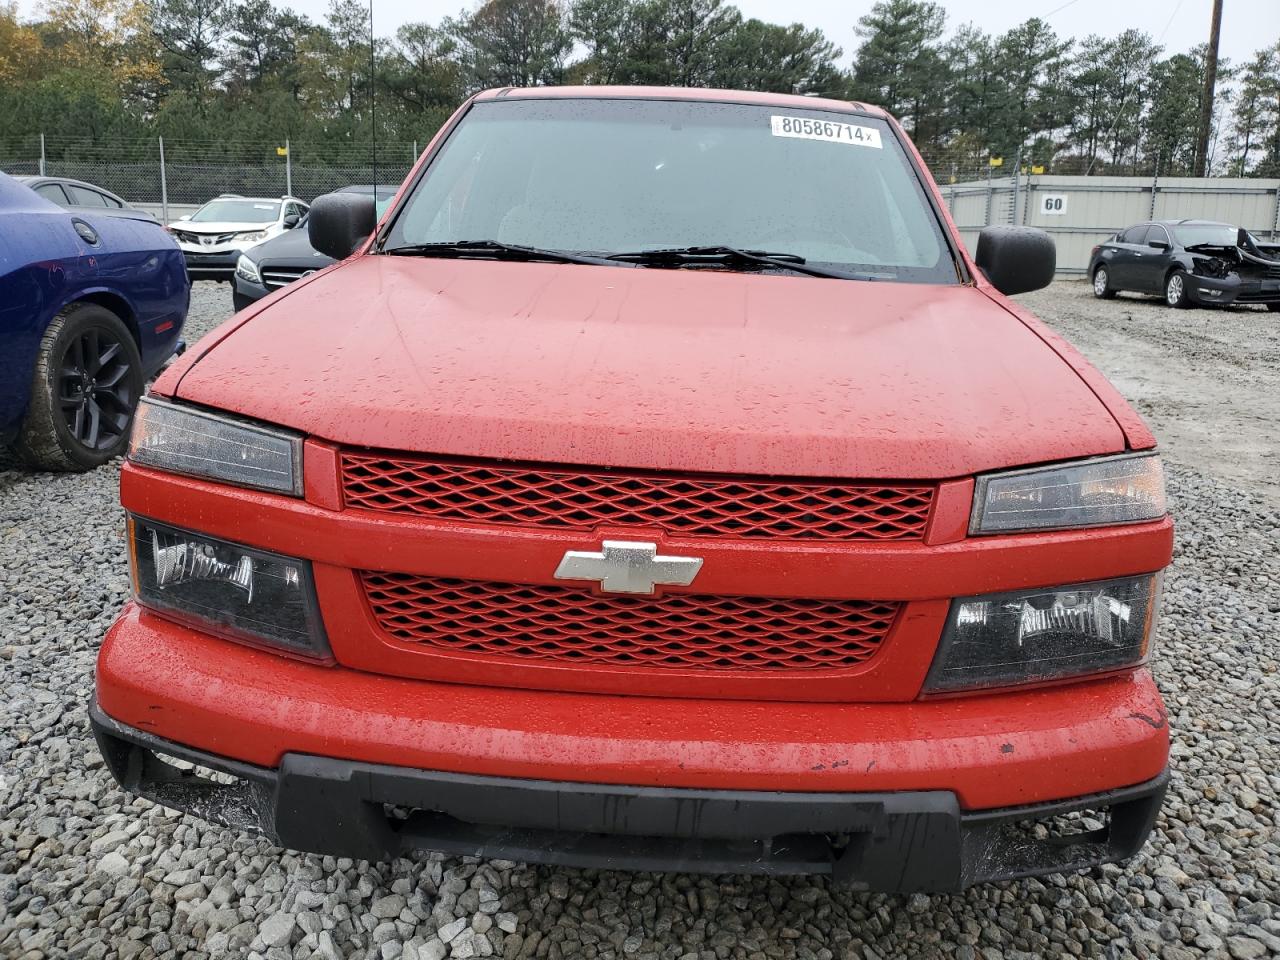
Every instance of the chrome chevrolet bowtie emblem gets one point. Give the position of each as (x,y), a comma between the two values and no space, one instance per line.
(626,566)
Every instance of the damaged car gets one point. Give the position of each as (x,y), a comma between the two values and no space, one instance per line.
(1188,263)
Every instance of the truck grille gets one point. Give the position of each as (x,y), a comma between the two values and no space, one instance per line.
(187,237)
(689,631)
(688,505)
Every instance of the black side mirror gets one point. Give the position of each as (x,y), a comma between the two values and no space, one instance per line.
(1016,259)
(1158,244)
(291,221)
(338,222)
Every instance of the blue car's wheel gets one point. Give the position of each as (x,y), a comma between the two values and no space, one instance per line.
(86,386)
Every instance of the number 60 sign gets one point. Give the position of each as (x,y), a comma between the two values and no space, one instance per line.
(1053,204)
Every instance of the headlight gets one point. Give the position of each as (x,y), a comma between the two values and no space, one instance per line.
(1089,493)
(1046,634)
(253,236)
(246,269)
(247,594)
(217,447)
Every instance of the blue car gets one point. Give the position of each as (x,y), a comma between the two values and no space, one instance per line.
(91,307)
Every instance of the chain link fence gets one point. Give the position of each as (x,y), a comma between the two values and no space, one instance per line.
(158,173)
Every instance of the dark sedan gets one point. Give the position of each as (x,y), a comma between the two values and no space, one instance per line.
(1188,263)
(290,256)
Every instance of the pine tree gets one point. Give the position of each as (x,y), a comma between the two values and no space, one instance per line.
(899,65)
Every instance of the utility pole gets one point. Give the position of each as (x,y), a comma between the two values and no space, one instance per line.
(1206,99)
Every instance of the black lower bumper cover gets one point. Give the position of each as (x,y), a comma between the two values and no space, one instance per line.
(906,841)
(1218,291)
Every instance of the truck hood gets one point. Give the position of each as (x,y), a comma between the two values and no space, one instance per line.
(660,369)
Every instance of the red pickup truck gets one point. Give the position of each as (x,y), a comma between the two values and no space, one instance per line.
(659,484)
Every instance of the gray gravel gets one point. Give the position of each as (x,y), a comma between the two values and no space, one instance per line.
(86,871)
(1208,381)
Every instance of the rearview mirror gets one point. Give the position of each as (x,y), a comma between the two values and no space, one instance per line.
(1016,259)
(339,222)
(1158,244)
(291,221)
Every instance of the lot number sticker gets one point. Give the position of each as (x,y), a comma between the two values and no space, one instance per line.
(1053,204)
(805,128)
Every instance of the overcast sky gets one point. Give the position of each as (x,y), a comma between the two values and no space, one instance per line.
(1177,24)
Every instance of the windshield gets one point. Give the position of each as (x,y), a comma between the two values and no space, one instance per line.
(1216,234)
(609,176)
(238,211)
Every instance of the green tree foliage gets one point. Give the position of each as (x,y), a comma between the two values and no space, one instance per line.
(1112,86)
(766,56)
(513,43)
(423,74)
(680,42)
(90,66)
(971,83)
(1027,61)
(264,48)
(1177,84)
(899,64)
(190,34)
(1255,133)
(603,28)
(222,71)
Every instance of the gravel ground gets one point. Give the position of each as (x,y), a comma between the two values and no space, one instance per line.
(86,871)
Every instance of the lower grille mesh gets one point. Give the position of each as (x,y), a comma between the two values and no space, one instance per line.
(688,631)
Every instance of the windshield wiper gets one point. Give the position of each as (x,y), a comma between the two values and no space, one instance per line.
(488,248)
(679,256)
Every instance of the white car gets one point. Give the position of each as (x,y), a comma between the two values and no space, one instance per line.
(213,237)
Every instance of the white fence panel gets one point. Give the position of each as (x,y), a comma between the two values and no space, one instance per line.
(1088,210)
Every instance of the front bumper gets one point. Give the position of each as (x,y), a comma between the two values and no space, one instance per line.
(245,292)
(1211,291)
(991,750)
(378,714)
(205,264)
(886,841)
